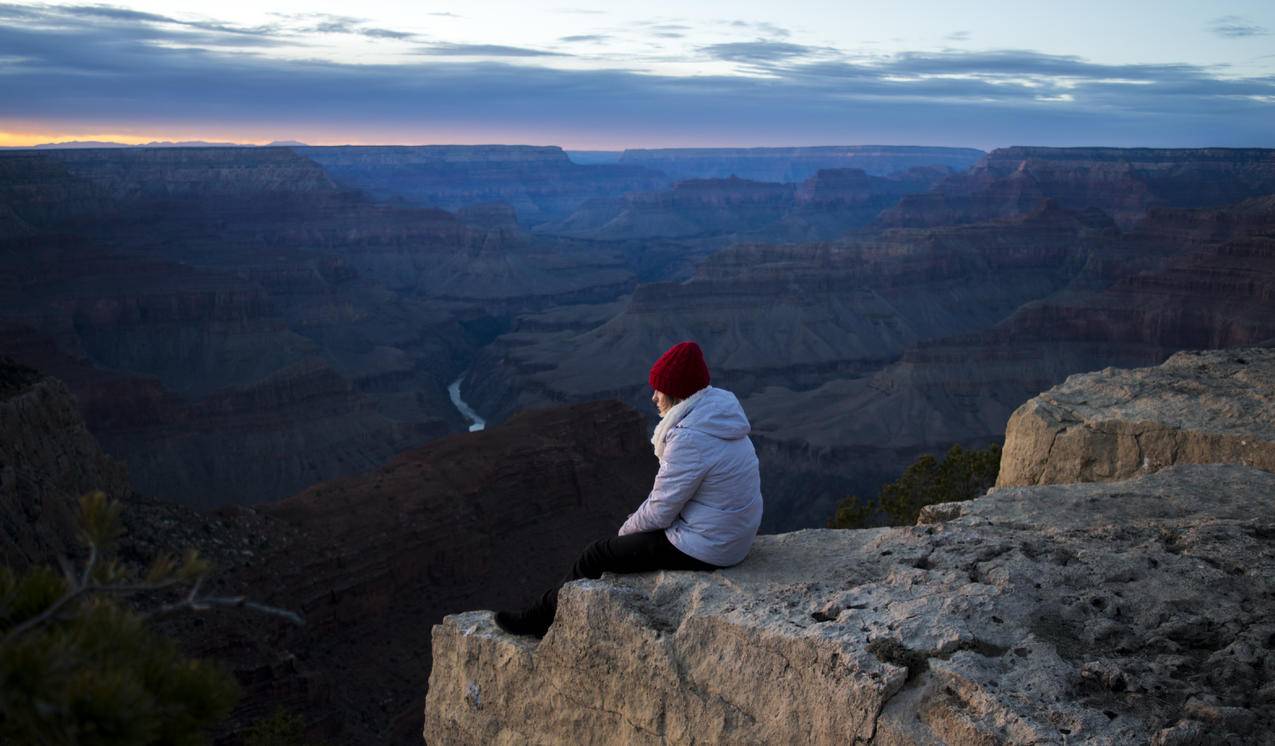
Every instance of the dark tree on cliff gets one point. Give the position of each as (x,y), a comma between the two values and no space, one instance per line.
(77,666)
(961,475)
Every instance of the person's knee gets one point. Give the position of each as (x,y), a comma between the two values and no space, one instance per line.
(593,559)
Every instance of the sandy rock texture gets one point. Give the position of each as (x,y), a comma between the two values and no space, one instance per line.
(1112,613)
(1196,408)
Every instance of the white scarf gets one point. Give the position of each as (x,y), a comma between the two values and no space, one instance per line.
(672,417)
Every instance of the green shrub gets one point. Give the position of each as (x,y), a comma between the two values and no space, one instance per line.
(79,667)
(961,475)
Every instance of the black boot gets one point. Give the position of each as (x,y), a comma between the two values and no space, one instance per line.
(533,621)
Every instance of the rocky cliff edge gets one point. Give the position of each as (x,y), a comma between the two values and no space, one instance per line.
(1196,408)
(1133,611)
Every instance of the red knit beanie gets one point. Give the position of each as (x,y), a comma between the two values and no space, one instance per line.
(681,371)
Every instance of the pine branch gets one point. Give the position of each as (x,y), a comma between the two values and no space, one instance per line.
(75,592)
(203,603)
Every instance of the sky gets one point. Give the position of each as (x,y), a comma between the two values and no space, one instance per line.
(652,74)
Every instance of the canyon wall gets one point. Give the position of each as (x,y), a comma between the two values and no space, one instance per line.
(239,325)
(899,342)
(1134,611)
(823,206)
(540,183)
(795,164)
(785,324)
(797,313)
(1185,279)
(175,284)
(48,460)
(1123,182)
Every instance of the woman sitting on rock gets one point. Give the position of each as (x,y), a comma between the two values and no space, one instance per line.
(704,509)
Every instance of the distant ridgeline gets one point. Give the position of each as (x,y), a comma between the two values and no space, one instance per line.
(544,184)
(540,183)
(796,164)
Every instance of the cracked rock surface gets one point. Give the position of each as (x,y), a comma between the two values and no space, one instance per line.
(1140,611)
(1196,408)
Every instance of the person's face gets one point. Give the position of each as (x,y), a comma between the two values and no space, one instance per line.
(661,401)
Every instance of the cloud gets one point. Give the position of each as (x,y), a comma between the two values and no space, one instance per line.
(1019,63)
(325,23)
(118,14)
(576,38)
(384,33)
(958,36)
(329,24)
(769,30)
(1236,27)
(105,24)
(756,51)
(68,68)
(444,49)
(126,15)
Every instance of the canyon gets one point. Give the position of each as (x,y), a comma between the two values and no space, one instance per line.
(264,352)
(239,323)
(238,326)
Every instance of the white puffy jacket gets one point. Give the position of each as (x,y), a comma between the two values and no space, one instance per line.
(707,494)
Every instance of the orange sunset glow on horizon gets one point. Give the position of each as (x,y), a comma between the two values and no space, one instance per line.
(11,139)
(26,135)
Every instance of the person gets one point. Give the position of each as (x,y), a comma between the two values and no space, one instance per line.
(705,506)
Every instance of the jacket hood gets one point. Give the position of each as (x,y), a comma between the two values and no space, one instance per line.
(718,413)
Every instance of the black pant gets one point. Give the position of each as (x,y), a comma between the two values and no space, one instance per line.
(643,552)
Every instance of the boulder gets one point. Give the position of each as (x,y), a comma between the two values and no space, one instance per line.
(1196,408)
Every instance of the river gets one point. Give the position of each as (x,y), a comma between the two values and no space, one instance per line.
(475,422)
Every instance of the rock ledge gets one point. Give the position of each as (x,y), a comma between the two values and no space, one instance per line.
(1196,408)
(1112,613)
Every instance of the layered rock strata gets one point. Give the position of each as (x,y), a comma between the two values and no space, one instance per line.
(796,164)
(1185,279)
(797,314)
(1123,182)
(824,206)
(541,183)
(1196,408)
(237,325)
(48,460)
